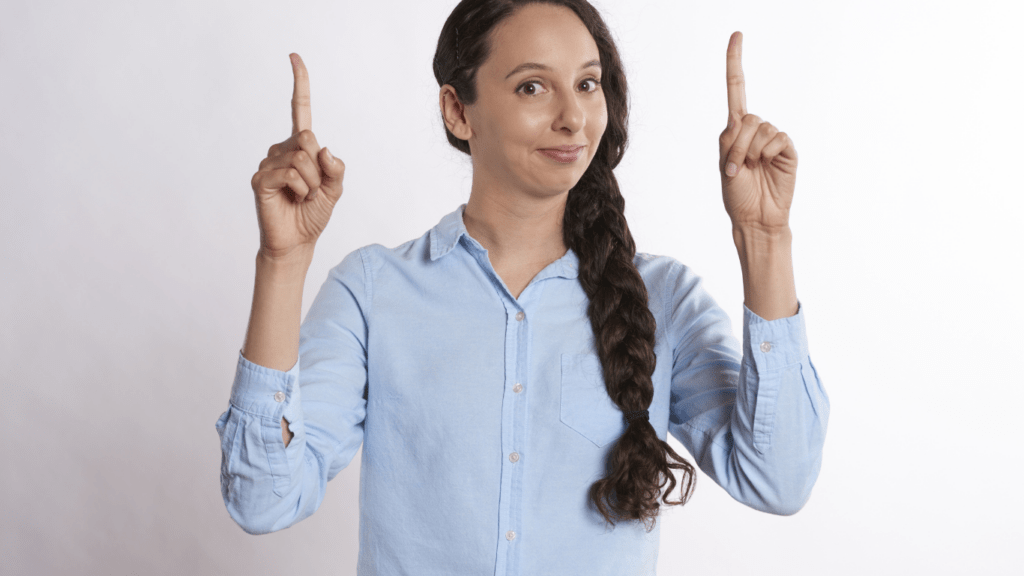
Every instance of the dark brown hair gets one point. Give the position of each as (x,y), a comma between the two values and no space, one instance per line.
(594,226)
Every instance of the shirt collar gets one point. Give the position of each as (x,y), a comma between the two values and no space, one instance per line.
(451,229)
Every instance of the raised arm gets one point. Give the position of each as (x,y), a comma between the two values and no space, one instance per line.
(758,165)
(291,217)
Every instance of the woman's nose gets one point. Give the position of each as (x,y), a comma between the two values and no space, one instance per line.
(571,113)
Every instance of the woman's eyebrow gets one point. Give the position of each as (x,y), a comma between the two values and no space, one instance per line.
(536,66)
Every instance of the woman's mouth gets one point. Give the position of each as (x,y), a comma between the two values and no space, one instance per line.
(562,156)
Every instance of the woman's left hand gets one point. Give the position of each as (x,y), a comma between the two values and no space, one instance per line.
(758,194)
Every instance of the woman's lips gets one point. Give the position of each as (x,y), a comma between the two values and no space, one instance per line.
(563,156)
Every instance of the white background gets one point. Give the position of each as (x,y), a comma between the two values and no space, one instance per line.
(130,132)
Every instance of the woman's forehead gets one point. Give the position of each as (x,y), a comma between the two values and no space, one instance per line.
(551,36)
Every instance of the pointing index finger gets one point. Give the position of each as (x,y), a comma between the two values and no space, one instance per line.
(734,77)
(302,116)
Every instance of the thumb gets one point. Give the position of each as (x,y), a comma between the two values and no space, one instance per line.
(334,171)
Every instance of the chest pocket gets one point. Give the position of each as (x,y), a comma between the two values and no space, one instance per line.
(585,404)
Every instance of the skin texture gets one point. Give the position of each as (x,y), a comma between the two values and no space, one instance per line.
(760,194)
(518,195)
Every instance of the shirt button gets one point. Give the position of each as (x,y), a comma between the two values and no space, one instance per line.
(510,535)
(517,388)
(279,396)
(514,457)
(766,346)
(520,315)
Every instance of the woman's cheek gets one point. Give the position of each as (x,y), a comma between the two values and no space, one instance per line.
(600,120)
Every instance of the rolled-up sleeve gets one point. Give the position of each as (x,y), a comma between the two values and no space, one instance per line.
(266,486)
(753,415)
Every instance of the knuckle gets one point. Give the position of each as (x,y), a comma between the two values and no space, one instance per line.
(272,151)
(306,138)
(299,156)
(751,119)
(292,174)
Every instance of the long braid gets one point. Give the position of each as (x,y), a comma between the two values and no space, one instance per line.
(595,228)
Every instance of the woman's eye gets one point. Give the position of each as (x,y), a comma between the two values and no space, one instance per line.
(593,82)
(524,85)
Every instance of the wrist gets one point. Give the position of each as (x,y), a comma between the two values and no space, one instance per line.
(761,231)
(296,260)
(766,261)
(755,239)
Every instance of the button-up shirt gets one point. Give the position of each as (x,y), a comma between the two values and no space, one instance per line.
(484,418)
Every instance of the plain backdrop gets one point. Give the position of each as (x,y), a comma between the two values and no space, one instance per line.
(131,130)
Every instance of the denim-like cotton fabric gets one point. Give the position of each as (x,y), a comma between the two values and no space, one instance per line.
(484,419)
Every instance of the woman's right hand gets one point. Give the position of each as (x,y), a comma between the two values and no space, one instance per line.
(298,183)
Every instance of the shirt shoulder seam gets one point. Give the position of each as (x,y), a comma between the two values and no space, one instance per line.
(667,314)
(367,281)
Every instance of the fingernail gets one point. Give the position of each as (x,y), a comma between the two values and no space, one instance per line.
(730,169)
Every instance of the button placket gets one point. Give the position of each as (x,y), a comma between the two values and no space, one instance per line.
(766,346)
(513,429)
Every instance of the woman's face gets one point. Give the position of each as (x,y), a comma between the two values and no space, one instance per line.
(522,110)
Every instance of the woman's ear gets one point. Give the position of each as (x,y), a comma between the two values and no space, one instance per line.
(454,113)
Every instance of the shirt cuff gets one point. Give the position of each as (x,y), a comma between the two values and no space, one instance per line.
(775,343)
(264,391)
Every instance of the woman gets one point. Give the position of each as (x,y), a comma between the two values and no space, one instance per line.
(512,374)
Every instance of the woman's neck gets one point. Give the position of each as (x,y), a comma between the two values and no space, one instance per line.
(517,232)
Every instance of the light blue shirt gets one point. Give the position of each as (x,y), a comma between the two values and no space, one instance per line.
(484,419)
